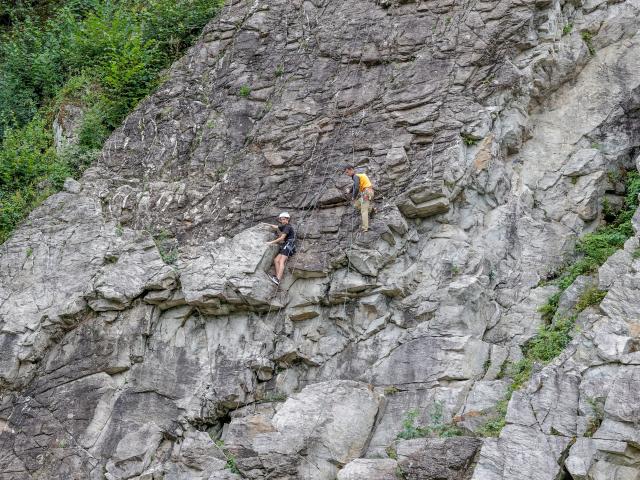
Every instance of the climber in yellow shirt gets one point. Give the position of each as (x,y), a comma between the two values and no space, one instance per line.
(362,194)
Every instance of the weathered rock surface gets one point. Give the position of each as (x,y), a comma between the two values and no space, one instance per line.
(438,458)
(139,329)
(324,426)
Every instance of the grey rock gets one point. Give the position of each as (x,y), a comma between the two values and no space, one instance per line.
(513,456)
(230,274)
(66,126)
(424,200)
(308,435)
(438,458)
(486,132)
(584,162)
(372,469)
(72,186)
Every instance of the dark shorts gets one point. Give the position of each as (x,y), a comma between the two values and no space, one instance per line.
(288,249)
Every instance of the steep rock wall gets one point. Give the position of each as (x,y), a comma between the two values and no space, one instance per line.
(488,132)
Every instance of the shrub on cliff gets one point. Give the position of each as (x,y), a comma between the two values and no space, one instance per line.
(104,55)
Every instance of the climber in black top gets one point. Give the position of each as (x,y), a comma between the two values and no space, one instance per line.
(287,241)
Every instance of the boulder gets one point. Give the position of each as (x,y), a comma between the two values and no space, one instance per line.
(371,469)
(230,274)
(424,200)
(325,425)
(438,458)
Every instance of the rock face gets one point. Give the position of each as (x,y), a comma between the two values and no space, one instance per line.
(142,339)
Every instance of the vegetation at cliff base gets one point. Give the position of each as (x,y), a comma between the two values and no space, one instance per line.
(102,56)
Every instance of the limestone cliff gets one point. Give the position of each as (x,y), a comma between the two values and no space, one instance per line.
(139,326)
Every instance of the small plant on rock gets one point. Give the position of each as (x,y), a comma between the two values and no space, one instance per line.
(595,420)
(497,422)
(566,30)
(273,397)
(391,390)
(437,426)
(591,296)
(587,37)
(391,452)
(409,428)
(166,246)
(469,140)
(231,460)
(244,91)
(400,475)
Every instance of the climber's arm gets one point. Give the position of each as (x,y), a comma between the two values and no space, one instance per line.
(280,239)
(356,186)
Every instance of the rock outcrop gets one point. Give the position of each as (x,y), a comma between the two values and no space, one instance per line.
(142,339)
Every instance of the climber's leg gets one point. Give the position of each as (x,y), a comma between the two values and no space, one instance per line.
(280,261)
(364,212)
(357,203)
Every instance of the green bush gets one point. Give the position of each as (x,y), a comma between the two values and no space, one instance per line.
(591,296)
(594,248)
(549,342)
(29,172)
(551,339)
(103,55)
(437,426)
(496,423)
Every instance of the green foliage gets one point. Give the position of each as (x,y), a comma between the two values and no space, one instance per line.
(551,339)
(244,91)
(566,30)
(587,37)
(544,347)
(167,247)
(29,172)
(231,463)
(594,248)
(273,397)
(496,423)
(591,296)
(102,55)
(549,342)
(436,427)
(409,429)
(469,140)
(231,460)
(391,452)
(400,475)
(548,310)
(391,390)
(595,419)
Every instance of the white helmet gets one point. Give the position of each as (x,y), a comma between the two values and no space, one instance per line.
(284,215)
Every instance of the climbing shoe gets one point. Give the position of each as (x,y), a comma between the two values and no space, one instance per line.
(274,279)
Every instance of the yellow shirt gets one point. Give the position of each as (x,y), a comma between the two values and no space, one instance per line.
(364,182)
